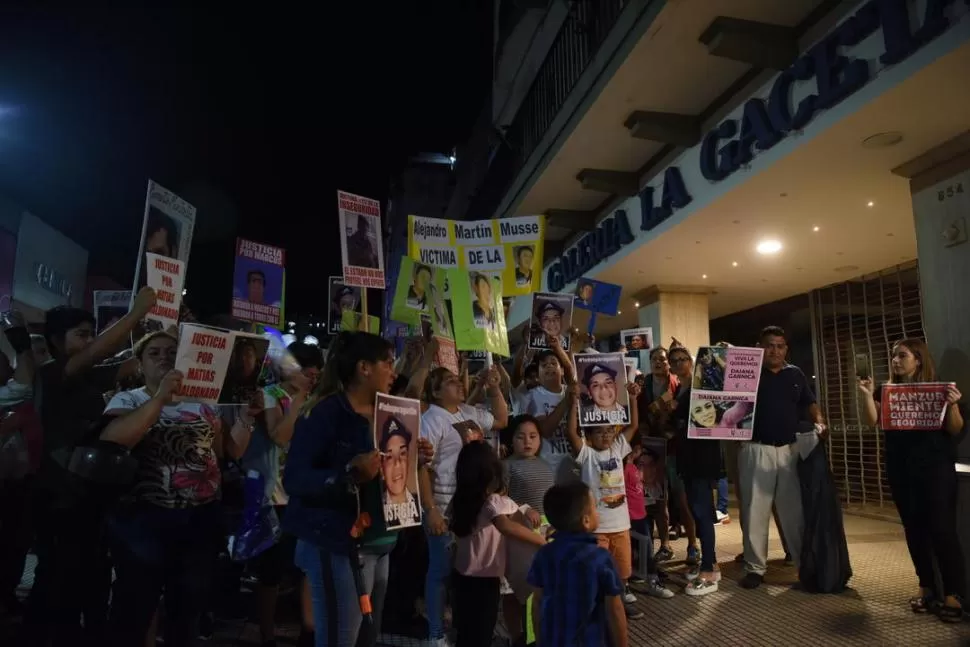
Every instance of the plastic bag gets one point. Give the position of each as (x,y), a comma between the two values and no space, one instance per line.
(260,527)
(824,566)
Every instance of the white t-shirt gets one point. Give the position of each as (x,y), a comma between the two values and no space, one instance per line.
(542,402)
(520,397)
(602,471)
(437,425)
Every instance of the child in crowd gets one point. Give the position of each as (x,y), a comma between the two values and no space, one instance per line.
(527,479)
(482,522)
(600,458)
(639,524)
(579,601)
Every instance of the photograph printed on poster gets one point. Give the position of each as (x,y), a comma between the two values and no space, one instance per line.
(110,306)
(396,430)
(603,398)
(725,391)
(421,289)
(166,230)
(257,282)
(484,311)
(637,339)
(652,464)
(552,316)
(360,246)
(597,296)
(342,298)
(242,374)
(709,368)
(524,258)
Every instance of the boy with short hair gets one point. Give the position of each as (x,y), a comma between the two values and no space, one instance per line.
(579,597)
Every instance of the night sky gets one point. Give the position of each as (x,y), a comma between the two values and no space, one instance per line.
(267,114)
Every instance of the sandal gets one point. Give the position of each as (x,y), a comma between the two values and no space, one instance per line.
(950,614)
(920,604)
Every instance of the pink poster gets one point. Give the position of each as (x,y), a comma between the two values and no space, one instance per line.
(724,393)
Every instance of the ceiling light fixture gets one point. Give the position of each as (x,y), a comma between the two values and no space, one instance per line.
(815,228)
(870,204)
(703,276)
(883,140)
(619,312)
(734,264)
(768,247)
(636,304)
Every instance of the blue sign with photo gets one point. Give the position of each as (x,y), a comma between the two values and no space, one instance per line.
(597,297)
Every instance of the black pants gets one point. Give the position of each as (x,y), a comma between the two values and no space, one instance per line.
(925,493)
(475,605)
(73,575)
(160,550)
(16,533)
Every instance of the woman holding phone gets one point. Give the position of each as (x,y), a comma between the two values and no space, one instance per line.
(920,464)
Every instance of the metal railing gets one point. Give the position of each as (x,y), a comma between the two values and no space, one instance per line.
(580,37)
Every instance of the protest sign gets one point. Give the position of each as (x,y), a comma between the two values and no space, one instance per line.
(598,297)
(510,248)
(478,319)
(603,398)
(441,311)
(165,276)
(342,298)
(219,366)
(397,425)
(725,391)
(351,321)
(552,316)
(447,355)
(360,248)
(632,365)
(166,230)
(414,292)
(637,339)
(907,407)
(109,307)
(257,283)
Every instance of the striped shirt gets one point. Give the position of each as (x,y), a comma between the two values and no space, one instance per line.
(528,480)
(576,576)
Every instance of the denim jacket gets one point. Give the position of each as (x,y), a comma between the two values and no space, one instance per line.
(323,507)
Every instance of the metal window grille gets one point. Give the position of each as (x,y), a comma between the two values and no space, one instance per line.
(863,316)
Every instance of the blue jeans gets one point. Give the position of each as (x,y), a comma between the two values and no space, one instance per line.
(439,569)
(722,495)
(643,527)
(333,593)
(699,499)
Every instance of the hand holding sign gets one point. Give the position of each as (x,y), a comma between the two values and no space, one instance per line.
(169,386)
(364,467)
(144,301)
(953,394)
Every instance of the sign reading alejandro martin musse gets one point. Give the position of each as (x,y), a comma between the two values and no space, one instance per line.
(508,247)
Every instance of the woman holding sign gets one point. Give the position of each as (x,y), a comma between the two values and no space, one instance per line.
(920,465)
(166,532)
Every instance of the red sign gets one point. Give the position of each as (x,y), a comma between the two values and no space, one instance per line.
(907,407)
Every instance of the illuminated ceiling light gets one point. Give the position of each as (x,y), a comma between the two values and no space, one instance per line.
(619,312)
(291,323)
(311,340)
(815,228)
(870,204)
(636,304)
(769,247)
(703,276)
(734,264)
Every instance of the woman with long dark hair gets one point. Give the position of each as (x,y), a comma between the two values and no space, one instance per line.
(920,464)
(330,476)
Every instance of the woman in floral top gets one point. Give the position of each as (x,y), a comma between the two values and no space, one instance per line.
(165,532)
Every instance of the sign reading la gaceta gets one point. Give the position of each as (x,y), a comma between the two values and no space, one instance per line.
(905,26)
(50,269)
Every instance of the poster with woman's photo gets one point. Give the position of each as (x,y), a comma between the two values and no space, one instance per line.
(414,292)
(109,307)
(603,398)
(343,298)
(478,317)
(397,425)
(360,247)
(219,366)
(724,394)
(652,464)
(166,230)
(637,339)
(552,316)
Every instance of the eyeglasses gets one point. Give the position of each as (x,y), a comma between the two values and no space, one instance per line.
(678,360)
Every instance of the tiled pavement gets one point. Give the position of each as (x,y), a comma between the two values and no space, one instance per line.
(874,612)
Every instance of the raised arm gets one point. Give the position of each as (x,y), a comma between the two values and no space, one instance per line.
(576,441)
(633,389)
(114,338)
(129,426)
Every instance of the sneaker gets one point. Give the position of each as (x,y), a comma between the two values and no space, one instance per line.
(752,581)
(628,597)
(655,589)
(722,518)
(700,587)
(693,556)
(664,554)
(632,613)
(695,572)
(674,533)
